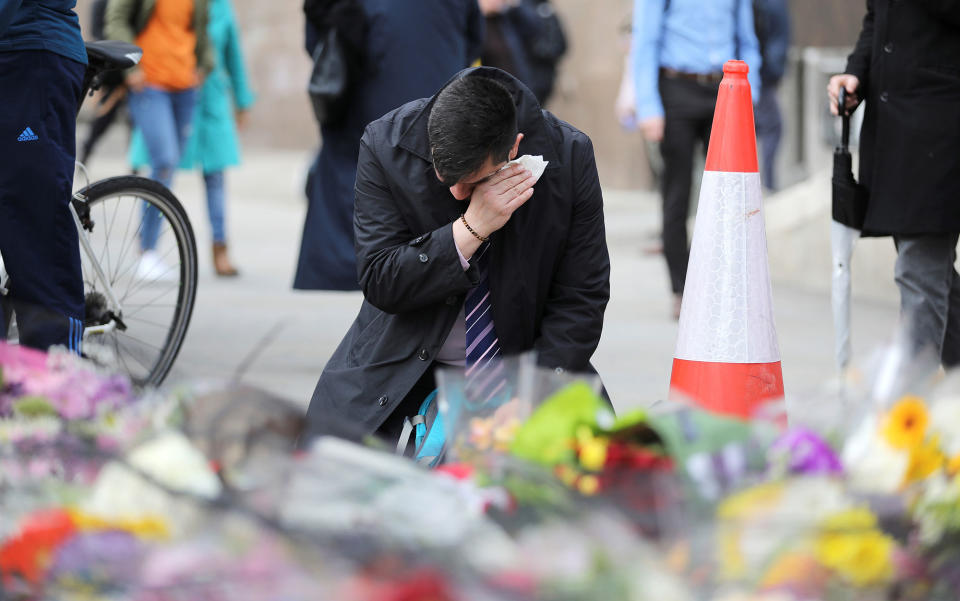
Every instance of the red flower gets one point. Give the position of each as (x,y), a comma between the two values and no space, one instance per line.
(28,553)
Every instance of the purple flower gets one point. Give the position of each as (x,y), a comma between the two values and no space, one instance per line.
(109,558)
(802,451)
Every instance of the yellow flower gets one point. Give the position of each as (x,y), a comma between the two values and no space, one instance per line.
(906,424)
(851,546)
(566,474)
(588,485)
(149,527)
(794,568)
(748,502)
(593,454)
(953,466)
(733,565)
(924,460)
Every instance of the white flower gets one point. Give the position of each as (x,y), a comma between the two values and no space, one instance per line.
(945,421)
(871,464)
(168,460)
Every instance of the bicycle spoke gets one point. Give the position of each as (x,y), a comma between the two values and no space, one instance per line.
(147,304)
(143,342)
(129,244)
(106,242)
(146,321)
(159,279)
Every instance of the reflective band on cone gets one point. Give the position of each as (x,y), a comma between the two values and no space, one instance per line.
(727,358)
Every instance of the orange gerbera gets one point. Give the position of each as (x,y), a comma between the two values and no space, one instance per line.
(906,424)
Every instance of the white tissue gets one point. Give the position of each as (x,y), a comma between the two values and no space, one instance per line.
(534,164)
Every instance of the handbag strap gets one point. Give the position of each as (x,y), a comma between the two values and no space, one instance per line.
(409,425)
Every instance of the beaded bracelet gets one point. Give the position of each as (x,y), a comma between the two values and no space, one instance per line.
(470,229)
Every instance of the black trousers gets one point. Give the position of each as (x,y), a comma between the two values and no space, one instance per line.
(39,93)
(688,116)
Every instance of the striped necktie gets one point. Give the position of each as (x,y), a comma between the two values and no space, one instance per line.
(484,375)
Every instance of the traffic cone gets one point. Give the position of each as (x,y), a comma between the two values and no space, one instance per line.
(727,358)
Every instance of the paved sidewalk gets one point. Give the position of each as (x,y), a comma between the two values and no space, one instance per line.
(291,334)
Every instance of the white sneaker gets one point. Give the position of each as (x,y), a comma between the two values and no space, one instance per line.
(152,268)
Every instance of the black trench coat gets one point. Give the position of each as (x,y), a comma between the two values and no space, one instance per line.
(908,60)
(549,267)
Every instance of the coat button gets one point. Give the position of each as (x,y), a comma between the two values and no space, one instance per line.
(424,355)
(382,401)
(423,258)
(559,370)
(452,300)
(888,47)
(883,98)
(417,240)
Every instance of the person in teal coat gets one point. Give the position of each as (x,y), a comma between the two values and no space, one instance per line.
(225,98)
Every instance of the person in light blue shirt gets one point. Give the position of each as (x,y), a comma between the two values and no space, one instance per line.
(678,50)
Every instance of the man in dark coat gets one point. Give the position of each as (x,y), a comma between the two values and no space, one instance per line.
(427,202)
(906,65)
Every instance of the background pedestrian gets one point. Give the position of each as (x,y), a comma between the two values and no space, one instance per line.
(906,68)
(162,92)
(412,49)
(678,51)
(223,104)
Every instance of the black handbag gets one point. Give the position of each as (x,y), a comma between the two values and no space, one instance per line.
(328,81)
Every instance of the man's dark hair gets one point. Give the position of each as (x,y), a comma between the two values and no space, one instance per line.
(473,119)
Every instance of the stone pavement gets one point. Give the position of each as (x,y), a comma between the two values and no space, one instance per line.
(286,336)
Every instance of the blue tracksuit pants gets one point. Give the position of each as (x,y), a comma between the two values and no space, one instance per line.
(39,94)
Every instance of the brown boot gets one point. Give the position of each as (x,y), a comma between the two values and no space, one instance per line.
(221,263)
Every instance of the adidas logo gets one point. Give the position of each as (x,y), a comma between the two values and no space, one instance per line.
(27,136)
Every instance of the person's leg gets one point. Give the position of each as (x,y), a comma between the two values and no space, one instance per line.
(216,201)
(769,131)
(107,114)
(950,355)
(152,111)
(677,147)
(926,278)
(38,238)
(184,105)
(213,182)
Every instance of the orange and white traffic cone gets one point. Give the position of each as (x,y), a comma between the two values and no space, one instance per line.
(727,358)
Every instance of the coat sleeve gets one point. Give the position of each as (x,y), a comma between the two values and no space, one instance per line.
(573,316)
(117,21)
(400,270)
(858,63)
(645,46)
(243,96)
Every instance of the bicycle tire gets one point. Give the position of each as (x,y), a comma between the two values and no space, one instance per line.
(149,372)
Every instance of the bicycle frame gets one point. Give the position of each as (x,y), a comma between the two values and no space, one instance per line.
(98,271)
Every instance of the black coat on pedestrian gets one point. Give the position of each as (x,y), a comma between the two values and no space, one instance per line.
(411,48)
(549,268)
(908,61)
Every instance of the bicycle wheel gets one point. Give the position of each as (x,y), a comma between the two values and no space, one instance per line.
(136,317)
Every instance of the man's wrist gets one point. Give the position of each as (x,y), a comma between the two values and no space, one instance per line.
(465,242)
